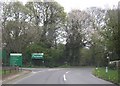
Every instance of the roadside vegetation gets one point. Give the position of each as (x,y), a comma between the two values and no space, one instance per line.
(78,38)
(111,75)
(5,71)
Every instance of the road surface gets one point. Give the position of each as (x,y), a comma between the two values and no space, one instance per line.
(60,76)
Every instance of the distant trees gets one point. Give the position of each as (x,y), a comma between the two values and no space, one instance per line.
(98,31)
(49,17)
(16,34)
(97,44)
(16,30)
(112,32)
(76,24)
(35,23)
(91,35)
(105,39)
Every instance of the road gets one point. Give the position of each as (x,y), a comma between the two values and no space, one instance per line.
(60,76)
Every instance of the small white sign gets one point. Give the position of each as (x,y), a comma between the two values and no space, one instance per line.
(96,68)
(106,69)
(37,53)
(15,54)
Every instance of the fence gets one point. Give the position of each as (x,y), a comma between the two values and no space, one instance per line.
(6,71)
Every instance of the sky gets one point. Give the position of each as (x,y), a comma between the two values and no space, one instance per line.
(81,4)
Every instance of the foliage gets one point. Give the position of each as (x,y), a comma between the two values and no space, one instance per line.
(32,27)
(111,34)
(86,57)
(52,57)
(90,35)
(74,29)
(112,75)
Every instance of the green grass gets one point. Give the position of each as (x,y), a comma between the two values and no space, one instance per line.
(2,72)
(7,72)
(111,75)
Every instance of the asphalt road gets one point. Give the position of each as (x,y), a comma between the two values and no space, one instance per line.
(60,76)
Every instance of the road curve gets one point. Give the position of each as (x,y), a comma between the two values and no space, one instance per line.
(60,76)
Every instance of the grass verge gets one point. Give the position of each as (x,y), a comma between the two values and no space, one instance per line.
(111,75)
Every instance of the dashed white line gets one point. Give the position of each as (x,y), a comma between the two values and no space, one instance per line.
(64,77)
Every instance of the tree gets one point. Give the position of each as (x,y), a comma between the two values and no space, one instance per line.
(17,32)
(76,24)
(86,57)
(50,16)
(112,32)
(96,42)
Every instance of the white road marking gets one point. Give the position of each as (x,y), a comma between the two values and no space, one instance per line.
(67,72)
(34,72)
(64,77)
(53,69)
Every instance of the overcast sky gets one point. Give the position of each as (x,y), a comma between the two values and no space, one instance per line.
(81,4)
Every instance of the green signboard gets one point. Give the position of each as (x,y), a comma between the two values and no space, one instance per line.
(2,54)
(37,55)
(16,59)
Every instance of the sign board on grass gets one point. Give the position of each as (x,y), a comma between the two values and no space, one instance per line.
(37,55)
(15,59)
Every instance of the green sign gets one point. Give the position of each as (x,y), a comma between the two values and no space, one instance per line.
(2,54)
(16,59)
(37,55)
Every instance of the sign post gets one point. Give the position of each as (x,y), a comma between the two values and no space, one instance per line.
(16,59)
(106,69)
(37,55)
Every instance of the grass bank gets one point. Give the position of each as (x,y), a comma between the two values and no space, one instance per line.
(111,75)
